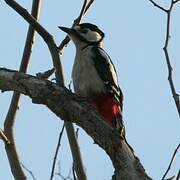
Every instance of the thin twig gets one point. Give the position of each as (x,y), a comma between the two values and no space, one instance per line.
(168,61)
(84,10)
(29,171)
(59,173)
(165,48)
(46,74)
(158,6)
(169,66)
(77,132)
(172,159)
(178,176)
(56,152)
(176,1)
(77,21)
(88,6)
(74,172)
(11,115)
(170,178)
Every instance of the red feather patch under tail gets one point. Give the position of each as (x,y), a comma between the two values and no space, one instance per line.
(108,107)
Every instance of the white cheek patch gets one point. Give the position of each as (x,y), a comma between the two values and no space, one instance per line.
(77,28)
(92,36)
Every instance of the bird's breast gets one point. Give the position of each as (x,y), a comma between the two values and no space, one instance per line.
(85,77)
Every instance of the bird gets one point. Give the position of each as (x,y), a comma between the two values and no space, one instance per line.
(94,75)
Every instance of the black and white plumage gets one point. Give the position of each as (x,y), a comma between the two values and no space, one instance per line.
(94,75)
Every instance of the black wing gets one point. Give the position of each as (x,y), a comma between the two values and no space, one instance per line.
(107,72)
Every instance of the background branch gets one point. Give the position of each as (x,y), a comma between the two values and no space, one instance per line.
(84,10)
(11,149)
(176,1)
(29,171)
(165,48)
(48,38)
(160,7)
(178,176)
(170,69)
(172,159)
(56,152)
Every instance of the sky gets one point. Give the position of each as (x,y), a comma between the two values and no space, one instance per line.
(134,38)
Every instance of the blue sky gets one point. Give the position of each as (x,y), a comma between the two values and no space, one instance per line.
(135,34)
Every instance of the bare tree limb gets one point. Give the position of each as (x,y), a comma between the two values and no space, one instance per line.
(178,176)
(48,38)
(11,149)
(29,171)
(84,10)
(88,6)
(158,6)
(176,1)
(73,172)
(165,48)
(56,152)
(59,173)
(168,61)
(69,107)
(172,159)
(169,66)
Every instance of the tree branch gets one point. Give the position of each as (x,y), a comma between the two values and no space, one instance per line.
(169,66)
(165,48)
(48,38)
(168,61)
(70,107)
(29,171)
(11,149)
(178,176)
(56,153)
(172,159)
(84,10)
(176,1)
(158,6)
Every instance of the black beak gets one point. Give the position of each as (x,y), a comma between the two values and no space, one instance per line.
(65,29)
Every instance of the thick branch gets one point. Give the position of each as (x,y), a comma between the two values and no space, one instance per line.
(69,107)
(48,38)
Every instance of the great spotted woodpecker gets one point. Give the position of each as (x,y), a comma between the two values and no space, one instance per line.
(94,75)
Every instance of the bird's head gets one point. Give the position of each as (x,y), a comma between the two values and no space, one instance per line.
(84,34)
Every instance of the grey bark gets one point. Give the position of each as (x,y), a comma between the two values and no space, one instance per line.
(72,108)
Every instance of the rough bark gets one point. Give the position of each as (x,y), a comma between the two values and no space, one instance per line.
(72,108)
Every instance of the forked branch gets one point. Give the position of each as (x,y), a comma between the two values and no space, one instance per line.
(165,48)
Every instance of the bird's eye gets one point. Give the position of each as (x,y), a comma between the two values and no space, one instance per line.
(84,31)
